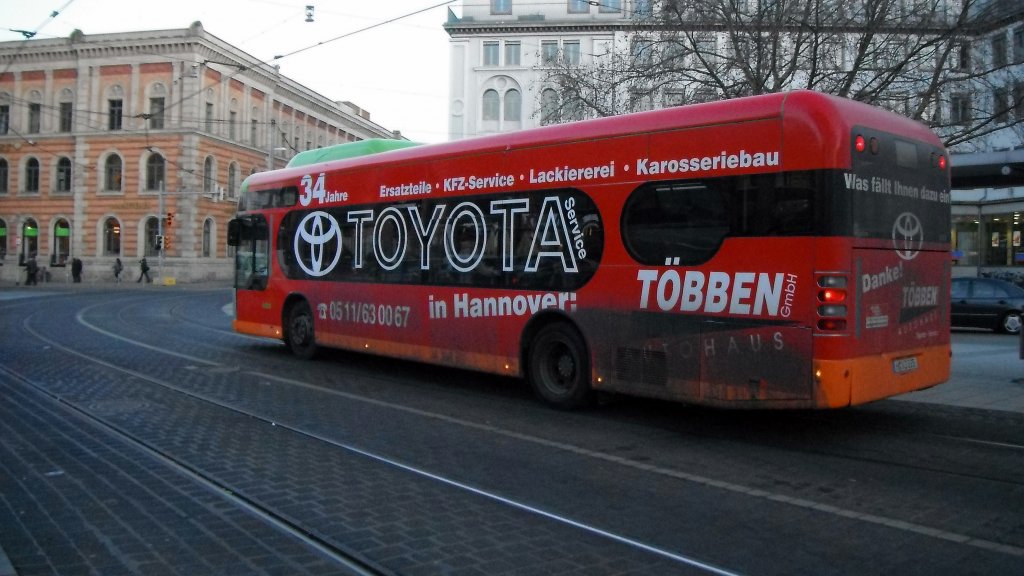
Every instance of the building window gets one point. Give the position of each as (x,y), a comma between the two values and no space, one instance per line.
(63,175)
(253,132)
(960,109)
(501,6)
(209,116)
(111,237)
(642,50)
(1001,105)
(232,126)
(61,243)
(962,55)
(643,9)
(35,115)
(549,113)
(490,53)
(4,175)
(152,228)
(207,237)
(610,6)
(3,239)
(155,172)
(112,173)
(999,51)
(579,6)
(5,118)
(513,106)
(115,114)
(29,239)
(32,176)
(209,176)
(512,51)
(1018,101)
(490,106)
(1018,45)
(549,52)
(66,117)
(233,172)
(571,52)
(156,113)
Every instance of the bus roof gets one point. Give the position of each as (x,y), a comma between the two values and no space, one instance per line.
(348,150)
(812,120)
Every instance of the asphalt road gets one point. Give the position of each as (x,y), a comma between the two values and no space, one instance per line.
(139,435)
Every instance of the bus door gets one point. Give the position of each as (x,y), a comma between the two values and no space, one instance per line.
(250,235)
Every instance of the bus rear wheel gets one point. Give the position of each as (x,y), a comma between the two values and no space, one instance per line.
(558,367)
(299,331)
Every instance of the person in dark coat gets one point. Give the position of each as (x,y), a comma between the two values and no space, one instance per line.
(76,269)
(118,267)
(144,271)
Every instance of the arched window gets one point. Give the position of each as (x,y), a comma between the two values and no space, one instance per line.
(208,238)
(149,239)
(61,242)
(233,180)
(32,176)
(490,106)
(29,239)
(209,177)
(63,175)
(111,237)
(513,106)
(155,171)
(112,169)
(3,239)
(549,107)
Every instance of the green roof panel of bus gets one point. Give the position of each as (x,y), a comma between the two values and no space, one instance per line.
(348,150)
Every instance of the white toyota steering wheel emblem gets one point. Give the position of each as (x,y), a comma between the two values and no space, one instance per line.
(907,236)
(318,235)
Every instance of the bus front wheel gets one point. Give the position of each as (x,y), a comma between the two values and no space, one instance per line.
(559,369)
(299,334)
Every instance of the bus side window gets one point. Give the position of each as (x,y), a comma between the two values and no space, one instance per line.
(684,220)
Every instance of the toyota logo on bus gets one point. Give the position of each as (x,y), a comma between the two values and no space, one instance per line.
(907,236)
(318,234)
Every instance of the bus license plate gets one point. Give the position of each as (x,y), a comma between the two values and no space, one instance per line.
(904,365)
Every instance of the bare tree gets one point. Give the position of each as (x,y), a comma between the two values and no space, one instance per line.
(922,58)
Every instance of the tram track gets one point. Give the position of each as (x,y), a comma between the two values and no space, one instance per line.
(295,527)
(610,458)
(818,419)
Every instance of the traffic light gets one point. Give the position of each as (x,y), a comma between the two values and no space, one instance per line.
(170,219)
(158,243)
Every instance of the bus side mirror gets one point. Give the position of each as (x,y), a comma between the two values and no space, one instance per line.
(234,232)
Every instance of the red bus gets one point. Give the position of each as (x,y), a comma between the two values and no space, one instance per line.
(780,251)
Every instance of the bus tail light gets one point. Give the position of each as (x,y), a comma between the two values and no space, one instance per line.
(832,309)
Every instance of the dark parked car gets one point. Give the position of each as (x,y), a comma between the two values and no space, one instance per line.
(987,303)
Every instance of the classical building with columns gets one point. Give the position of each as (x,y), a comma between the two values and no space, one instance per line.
(110,141)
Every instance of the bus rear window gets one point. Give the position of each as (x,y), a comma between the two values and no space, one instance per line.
(906,154)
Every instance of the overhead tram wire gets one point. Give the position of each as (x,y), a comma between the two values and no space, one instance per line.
(354,32)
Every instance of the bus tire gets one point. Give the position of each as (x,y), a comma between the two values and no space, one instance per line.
(299,335)
(559,368)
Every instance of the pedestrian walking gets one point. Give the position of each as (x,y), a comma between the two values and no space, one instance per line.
(118,268)
(31,270)
(144,271)
(76,269)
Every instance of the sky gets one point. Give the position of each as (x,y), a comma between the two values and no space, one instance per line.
(397,71)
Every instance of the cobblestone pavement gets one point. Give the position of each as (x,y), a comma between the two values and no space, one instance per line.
(131,446)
